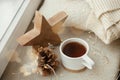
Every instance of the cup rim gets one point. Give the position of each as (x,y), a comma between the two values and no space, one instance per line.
(61,46)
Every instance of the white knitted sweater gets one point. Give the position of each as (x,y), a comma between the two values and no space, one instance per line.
(104,19)
(100,16)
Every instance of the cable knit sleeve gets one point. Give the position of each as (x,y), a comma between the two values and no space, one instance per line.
(101,7)
(107,11)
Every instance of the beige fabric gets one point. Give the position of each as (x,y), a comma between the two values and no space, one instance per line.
(100,16)
(107,11)
(102,6)
(78,11)
(107,16)
(108,36)
(111,18)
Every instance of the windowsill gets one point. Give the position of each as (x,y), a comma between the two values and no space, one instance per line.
(15,28)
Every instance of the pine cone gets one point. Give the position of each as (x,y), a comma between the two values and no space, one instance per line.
(35,48)
(47,61)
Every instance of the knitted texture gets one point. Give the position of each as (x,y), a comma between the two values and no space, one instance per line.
(99,16)
(105,16)
(110,19)
(102,6)
(107,36)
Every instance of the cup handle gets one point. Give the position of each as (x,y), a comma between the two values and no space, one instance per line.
(88,62)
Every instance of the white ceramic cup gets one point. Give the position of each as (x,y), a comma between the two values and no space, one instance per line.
(76,63)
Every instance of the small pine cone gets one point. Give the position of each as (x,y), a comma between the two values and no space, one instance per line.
(47,57)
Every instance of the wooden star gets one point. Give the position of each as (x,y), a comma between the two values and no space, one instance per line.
(42,33)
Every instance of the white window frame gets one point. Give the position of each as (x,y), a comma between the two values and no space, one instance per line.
(8,10)
(16,28)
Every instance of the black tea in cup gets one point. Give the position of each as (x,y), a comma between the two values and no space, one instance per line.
(74,49)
